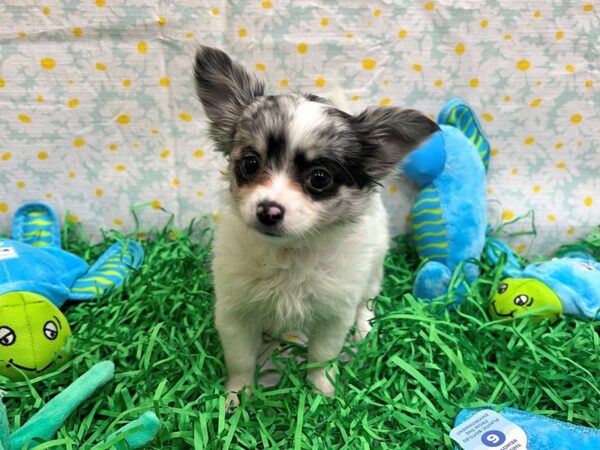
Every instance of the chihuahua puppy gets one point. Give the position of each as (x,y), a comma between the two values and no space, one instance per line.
(302,243)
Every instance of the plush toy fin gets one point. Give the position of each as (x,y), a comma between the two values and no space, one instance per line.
(496,250)
(459,114)
(544,433)
(109,271)
(36,224)
(138,433)
(43,425)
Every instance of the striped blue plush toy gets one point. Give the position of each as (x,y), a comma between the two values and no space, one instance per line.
(449,214)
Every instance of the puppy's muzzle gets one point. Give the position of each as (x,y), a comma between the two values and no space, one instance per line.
(269,213)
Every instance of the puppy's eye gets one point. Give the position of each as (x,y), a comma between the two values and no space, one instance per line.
(319,180)
(249,165)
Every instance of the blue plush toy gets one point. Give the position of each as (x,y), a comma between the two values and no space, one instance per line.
(36,277)
(449,215)
(568,285)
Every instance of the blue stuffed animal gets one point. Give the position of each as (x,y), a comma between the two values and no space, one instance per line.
(449,215)
(569,285)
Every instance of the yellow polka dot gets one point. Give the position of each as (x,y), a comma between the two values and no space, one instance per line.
(537,14)
(199,194)
(320,82)
(588,8)
(487,117)
(20,184)
(100,3)
(283,83)
(112,147)
(429,6)
(576,118)
(514,171)
(459,49)
(175,182)
(536,102)
(561,165)
(386,82)
(126,83)
(215,11)
(70,82)
(558,146)
(261,67)
(507,37)
(46,10)
(589,83)
(551,218)
(520,248)
(588,201)
(39,99)
(99,192)
(324,22)
(42,156)
(474,83)
(242,32)
(142,47)
(77,32)
(216,216)
(559,35)
(73,103)
(417,67)
(165,153)
(6,156)
(369,64)
(349,36)
(385,101)
(267,5)
(123,119)
(3,207)
(438,83)
(484,23)
(72,174)
(393,189)
(79,142)
(48,63)
(2,82)
(22,34)
(355,98)
(570,68)
(24,118)
(507,214)
(101,67)
(402,34)
(189,35)
(164,82)
(121,168)
(48,195)
(199,153)
(118,222)
(302,48)
(155,204)
(377,13)
(523,65)
(161,21)
(529,140)
(537,188)
(494,151)
(570,230)
(185,117)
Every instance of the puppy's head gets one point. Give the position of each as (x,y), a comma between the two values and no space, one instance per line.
(298,166)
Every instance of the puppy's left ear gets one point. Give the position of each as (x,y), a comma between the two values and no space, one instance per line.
(388,134)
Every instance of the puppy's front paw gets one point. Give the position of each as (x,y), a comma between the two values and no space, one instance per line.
(361,332)
(320,381)
(232,401)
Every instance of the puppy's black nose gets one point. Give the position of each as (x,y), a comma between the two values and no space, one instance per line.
(269,213)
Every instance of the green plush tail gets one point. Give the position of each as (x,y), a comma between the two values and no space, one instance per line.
(43,425)
(133,435)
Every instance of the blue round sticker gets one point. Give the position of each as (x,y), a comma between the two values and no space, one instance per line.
(493,438)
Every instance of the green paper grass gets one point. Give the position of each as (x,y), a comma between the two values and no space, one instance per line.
(401,388)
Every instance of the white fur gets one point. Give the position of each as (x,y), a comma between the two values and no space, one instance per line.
(307,118)
(319,284)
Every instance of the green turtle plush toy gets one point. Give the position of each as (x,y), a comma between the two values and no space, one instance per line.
(36,277)
(43,425)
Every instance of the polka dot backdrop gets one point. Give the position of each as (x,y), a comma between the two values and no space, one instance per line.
(99,113)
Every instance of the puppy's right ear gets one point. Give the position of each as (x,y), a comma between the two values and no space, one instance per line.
(225,88)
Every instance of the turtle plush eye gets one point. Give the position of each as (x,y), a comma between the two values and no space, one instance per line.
(50,330)
(7,336)
(502,288)
(521,300)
